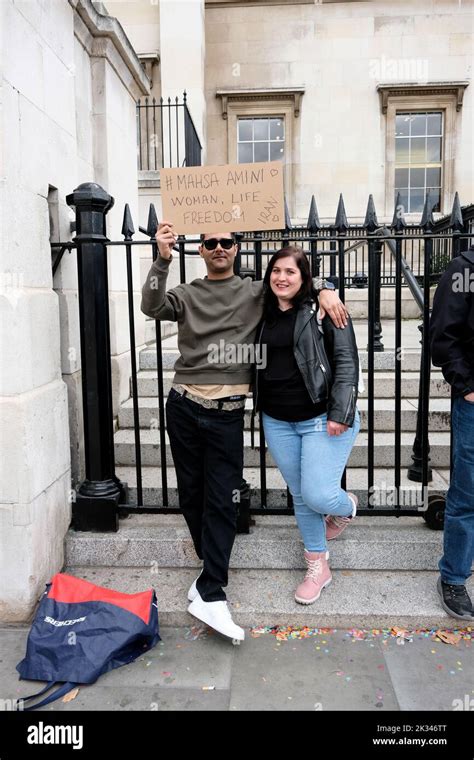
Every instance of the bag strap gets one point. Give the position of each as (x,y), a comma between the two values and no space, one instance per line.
(61,690)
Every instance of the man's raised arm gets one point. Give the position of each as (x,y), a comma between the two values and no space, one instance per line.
(156,302)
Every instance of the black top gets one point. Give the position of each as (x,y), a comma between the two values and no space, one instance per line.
(282,392)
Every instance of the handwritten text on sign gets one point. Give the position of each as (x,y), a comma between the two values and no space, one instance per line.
(242,197)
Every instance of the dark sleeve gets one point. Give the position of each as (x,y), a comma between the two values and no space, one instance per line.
(342,352)
(449,317)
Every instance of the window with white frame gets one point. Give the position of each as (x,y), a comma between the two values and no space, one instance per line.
(418,158)
(260,139)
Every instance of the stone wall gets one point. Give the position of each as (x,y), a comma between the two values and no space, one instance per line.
(70,81)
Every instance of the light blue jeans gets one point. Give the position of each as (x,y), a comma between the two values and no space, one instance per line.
(312,463)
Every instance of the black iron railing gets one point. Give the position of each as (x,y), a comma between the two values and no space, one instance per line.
(166,135)
(101,497)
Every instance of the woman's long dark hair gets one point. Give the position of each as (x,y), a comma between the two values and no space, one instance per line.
(306,291)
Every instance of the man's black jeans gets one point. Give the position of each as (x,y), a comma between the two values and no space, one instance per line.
(207,449)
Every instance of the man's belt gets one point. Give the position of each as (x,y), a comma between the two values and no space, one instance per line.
(238,402)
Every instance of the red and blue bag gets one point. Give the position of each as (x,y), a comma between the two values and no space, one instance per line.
(81,631)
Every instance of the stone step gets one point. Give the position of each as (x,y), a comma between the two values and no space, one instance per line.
(384,384)
(371,543)
(356,480)
(355,599)
(439,416)
(124,441)
(383,361)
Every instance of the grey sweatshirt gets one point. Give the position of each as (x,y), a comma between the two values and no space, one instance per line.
(216,320)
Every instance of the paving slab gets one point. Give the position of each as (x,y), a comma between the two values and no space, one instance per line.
(323,672)
(429,675)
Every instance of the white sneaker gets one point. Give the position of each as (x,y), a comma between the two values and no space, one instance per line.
(193,592)
(216,615)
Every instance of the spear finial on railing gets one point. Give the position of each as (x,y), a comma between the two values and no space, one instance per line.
(152,224)
(427,220)
(370,221)
(128,229)
(456,221)
(398,221)
(341,224)
(287,217)
(313,218)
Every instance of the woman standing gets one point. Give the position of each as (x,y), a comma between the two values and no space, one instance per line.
(306,388)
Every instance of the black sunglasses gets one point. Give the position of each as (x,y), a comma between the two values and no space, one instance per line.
(226,243)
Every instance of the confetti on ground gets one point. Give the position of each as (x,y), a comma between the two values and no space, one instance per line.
(71,695)
(402,635)
(196,632)
(448,638)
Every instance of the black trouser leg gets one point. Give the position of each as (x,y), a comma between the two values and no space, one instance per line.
(207,448)
(187,449)
(223,433)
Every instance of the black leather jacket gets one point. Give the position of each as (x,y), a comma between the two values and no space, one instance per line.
(329,363)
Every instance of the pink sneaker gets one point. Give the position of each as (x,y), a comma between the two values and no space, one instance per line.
(335,525)
(318,576)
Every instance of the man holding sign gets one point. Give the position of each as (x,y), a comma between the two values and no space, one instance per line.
(205,407)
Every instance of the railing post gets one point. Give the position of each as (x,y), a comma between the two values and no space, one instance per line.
(97,497)
(420,471)
(375,252)
(415,471)
(378,252)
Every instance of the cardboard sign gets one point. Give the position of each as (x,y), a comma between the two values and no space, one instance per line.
(243,197)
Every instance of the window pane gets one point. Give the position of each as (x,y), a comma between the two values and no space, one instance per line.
(435,196)
(245,153)
(276,129)
(433,177)
(433,149)
(434,124)
(261,151)
(418,124)
(418,150)
(401,150)
(245,129)
(260,129)
(276,150)
(402,124)
(417,200)
(401,178)
(417,178)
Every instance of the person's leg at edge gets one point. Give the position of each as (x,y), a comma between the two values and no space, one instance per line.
(458,551)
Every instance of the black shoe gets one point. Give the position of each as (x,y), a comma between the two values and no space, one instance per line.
(455,600)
